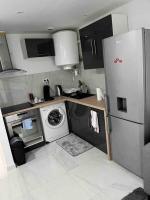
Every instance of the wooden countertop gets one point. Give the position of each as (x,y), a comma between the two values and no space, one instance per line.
(89,101)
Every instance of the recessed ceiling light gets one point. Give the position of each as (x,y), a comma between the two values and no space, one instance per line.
(19,12)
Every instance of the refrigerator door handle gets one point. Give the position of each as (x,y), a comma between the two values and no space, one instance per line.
(107,103)
(106,97)
(109,124)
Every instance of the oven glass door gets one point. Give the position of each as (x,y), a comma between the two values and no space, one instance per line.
(28,135)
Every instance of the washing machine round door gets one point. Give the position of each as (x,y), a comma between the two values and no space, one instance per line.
(56,118)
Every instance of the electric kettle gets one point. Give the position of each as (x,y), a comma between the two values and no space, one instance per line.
(58,90)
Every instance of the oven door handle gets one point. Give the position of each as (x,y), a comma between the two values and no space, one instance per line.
(20,122)
(23,113)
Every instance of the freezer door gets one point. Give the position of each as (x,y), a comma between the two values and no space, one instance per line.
(127,140)
(123,59)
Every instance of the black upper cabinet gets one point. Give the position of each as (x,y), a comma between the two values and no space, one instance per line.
(39,47)
(91,42)
(92,52)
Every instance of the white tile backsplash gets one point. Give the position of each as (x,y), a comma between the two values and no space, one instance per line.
(15,90)
(93,78)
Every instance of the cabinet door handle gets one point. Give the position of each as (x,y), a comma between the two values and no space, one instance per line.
(95,50)
(92,47)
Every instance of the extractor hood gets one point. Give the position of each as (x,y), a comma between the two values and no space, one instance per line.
(11,72)
(6,67)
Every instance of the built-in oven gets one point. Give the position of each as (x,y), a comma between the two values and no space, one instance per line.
(31,134)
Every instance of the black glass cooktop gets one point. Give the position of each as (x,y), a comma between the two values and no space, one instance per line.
(14,108)
(78,95)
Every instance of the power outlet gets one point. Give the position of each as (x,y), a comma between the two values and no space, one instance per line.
(46,81)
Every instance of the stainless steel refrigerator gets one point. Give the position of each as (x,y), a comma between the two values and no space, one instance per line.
(127,67)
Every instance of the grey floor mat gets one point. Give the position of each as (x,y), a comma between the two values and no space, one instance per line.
(137,194)
(74,145)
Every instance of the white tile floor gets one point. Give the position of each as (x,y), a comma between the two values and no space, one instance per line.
(52,174)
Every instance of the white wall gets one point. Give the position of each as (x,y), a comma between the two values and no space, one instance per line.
(5,144)
(138,12)
(31,65)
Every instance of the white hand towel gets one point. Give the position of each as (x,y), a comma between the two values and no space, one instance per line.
(27,124)
(94,121)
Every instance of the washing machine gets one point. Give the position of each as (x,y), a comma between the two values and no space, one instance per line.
(54,120)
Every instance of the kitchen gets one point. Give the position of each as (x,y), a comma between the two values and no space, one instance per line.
(15,89)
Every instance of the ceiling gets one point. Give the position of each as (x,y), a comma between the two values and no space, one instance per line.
(39,15)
